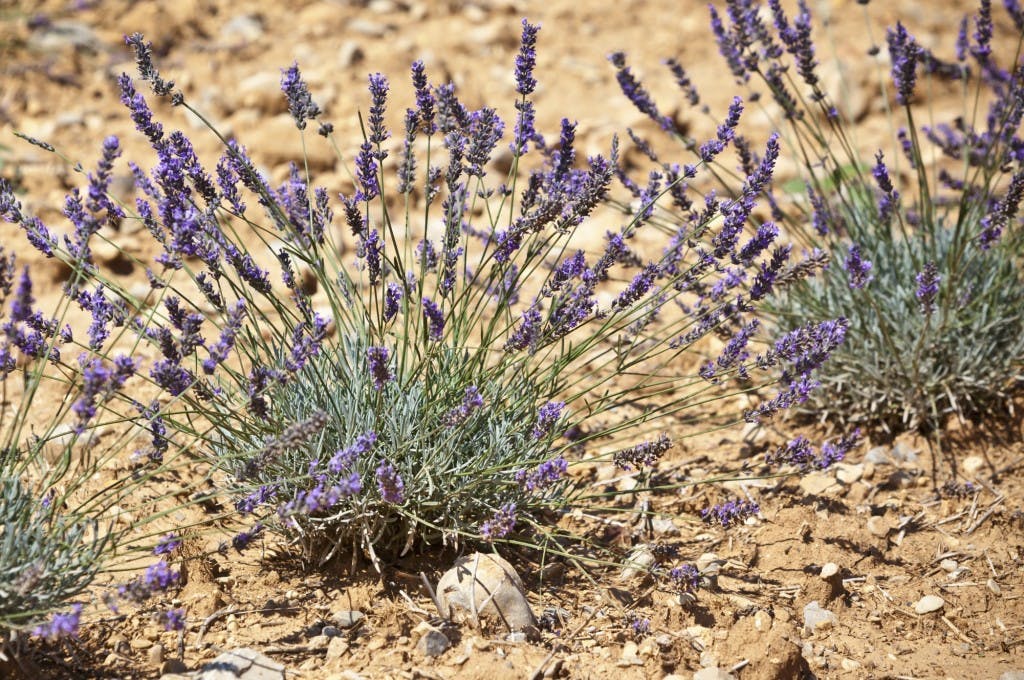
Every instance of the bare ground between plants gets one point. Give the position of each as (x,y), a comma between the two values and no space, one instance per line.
(893,540)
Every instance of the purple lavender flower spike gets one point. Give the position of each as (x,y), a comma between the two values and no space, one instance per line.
(887,202)
(526,59)
(527,335)
(472,400)
(857,268)
(61,624)
(501,524)
(1002,214)
(435,319)
(637,288)
(546,474)
(144,62)
(392,298)
(243,539)
(375,119)
(904,52)
(167,544)
(366,172)
(173,619)
(390,484)
(300,102)
(379,370)
(928,287)
(644,454)
(636,92)
(729,513)
(547,416)
(686,578)
(424,98)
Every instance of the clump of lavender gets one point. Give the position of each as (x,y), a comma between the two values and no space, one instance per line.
(55,521)
(925,264)
(441,376)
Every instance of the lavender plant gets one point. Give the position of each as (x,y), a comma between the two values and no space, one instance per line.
(436,386)
(923,241)
(60,528)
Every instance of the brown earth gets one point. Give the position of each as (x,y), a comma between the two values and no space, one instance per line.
(878,520)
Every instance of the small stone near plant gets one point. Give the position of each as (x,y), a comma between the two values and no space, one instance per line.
(486,587)
(244,664)
(433,643)
(929,604)
(347,619)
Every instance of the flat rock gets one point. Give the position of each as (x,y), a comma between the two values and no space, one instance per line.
(433,643)
(928,604)
(244,664)
(816,483)
(487,586)
(347,619)
(713,674)
(972,464)
(817,618)
(848,474)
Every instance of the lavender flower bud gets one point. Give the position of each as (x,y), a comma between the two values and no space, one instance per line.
(527,59)
(501,524)
(729,513)
(547,416)
(390,484)
(300,102)
(904,52)
(378,358)
(928,287)
(857,268)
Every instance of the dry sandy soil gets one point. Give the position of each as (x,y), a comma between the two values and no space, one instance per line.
(892,540)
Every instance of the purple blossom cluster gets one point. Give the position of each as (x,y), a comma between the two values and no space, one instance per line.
(390,484)
(300,102)
(377,357)
(857,268)
(685,578)
(547,416)
(545,474)
(61,624)
(501,524)
(928,287)
(157,578)
(472,400)
(801,454)
(167,544)
(730,512)
(644,454)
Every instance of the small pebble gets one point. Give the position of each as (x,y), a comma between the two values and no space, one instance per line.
(173,666)
(948,565)
(994,587)
(829,570)
(156,655)
(347,619)
(330,631)
(141,643)
(338,647)
(928,604)
(433,643)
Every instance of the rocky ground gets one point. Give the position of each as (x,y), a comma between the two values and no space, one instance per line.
(862,572)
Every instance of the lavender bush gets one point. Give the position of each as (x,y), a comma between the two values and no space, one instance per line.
(434,386)
(923,240)
(60,527)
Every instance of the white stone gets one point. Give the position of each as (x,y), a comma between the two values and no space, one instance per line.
(928,604)
(487,587)
(817,618)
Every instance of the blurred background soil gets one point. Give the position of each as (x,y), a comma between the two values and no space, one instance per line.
(878,519)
